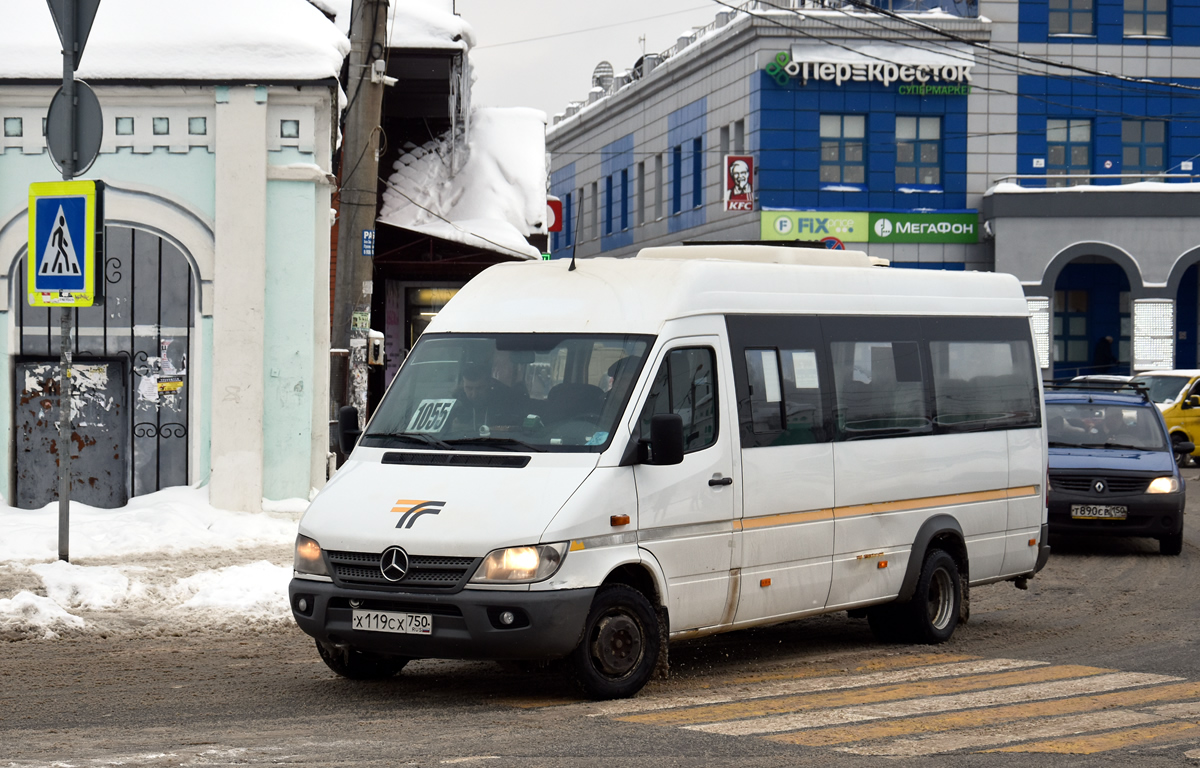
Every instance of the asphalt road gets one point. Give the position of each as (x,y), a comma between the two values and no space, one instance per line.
(1094,664)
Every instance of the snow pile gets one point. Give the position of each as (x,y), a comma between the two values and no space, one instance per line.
(258,589)
(167,562)
(428,24)
(1009,187)
(75,586)
(208,40)
(27,613)
(174,519)
(496,198)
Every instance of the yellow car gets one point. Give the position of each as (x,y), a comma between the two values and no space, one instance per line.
(1177,395)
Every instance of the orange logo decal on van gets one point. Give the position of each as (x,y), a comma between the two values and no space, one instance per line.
(411,509)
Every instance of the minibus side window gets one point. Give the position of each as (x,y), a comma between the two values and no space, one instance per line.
(984,376)
(983,385)
(766,394)
(879,387)
(686,384)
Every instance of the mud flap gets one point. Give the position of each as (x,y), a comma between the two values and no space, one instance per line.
(662,667)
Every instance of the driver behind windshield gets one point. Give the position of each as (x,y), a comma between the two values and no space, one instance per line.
(484,403)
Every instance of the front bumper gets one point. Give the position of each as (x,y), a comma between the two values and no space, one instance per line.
(1149,514)
(465,624)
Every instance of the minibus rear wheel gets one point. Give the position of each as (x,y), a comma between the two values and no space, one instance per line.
(620,644)
(358,665)
(931,616)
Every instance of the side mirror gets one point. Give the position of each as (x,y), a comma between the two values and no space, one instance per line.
(1183,447)
(665,446)
(1193,401)
(348,431)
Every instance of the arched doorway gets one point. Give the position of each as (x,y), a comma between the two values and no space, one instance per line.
(1091,315)
(133,389)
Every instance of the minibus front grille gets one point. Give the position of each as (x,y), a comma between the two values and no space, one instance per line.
(1083,483)
(361,569)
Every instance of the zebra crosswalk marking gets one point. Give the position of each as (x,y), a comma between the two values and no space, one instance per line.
(872,665)
(1103,742)
(812,685)
(1066,683)
(990,737)
(858,696)
(997,715)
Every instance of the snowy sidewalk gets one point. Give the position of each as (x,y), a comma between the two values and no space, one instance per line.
(168,559)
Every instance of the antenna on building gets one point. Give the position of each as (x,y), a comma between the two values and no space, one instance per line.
(602,76)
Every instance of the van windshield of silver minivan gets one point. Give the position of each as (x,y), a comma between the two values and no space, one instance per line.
(510,392)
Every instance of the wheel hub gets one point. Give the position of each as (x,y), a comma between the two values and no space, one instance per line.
(618,645)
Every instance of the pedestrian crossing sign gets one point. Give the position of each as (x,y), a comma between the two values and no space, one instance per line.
(66,226)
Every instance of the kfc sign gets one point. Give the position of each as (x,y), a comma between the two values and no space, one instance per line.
(739,183)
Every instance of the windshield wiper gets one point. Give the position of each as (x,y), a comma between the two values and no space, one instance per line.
(497,442)
(1124,447)
(415,437)
(1054,444)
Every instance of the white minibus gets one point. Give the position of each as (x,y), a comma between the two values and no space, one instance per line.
(588,461)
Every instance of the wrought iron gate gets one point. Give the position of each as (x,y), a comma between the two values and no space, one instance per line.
(146,324)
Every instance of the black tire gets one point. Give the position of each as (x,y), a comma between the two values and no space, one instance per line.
(1181,459)
(620,644)
(358,665)
(1171,544)
(931,616)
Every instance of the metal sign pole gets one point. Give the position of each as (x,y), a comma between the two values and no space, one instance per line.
(64,355)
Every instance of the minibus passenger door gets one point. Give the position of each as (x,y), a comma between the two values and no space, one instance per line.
(686,510)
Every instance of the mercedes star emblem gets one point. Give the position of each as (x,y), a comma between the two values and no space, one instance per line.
(394,563)
(1098,486)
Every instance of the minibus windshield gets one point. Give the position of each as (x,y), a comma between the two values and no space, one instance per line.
(509,392)
(1091,425)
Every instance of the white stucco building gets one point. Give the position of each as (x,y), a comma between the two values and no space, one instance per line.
(209,359)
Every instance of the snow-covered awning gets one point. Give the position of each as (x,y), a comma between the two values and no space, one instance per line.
(204,40)
(493,201)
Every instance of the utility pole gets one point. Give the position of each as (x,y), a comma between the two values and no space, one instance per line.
(65,313)
(358,187)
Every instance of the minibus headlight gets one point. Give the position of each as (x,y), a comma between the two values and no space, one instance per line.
(1163,485)
(520,564)
(308,557)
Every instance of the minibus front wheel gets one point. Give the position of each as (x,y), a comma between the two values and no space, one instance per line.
(619,649)
(359,665)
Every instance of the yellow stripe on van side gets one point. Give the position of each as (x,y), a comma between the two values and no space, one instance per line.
(934,501)
(787,518)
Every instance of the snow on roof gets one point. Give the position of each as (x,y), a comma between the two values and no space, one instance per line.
(264,40)
(1007,187)
(428,24)
(496,197)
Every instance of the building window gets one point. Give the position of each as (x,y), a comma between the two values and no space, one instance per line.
(568,223)
(739,137)
(198,126)
(1068,151)
(697,172)
(919,150)
(1072,17)
(1145,17)
(14,127)
(677,179)
(842,156)
(624,199)
(608,204)
(641,193)
(1143,147)
(660,184)
(595,228)
(161,126)
(289,129)
(124,126)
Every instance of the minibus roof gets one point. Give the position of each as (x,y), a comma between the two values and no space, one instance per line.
(638,295)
